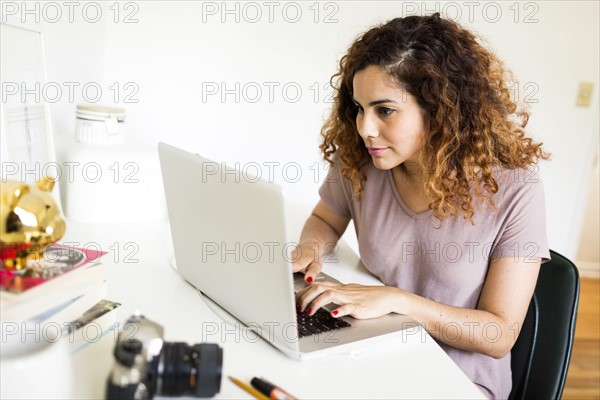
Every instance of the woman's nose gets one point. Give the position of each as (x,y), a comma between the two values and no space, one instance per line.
(366,126)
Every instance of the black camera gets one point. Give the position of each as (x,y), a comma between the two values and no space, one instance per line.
(146,365)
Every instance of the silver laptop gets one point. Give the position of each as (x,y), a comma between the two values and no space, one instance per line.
(229,237)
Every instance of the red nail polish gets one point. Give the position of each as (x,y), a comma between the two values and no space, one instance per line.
(308,310)
(334,312)
(309,279)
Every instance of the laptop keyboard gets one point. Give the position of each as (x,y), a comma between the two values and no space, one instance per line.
(320,322)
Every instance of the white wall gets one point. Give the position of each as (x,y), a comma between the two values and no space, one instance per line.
(177,49)
(588,255)
(74,49)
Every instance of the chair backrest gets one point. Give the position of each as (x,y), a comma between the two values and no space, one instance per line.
(541,355)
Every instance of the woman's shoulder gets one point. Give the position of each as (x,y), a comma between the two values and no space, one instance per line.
(518,176)
(518,181)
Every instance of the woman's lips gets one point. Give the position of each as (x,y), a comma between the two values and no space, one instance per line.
(375,151)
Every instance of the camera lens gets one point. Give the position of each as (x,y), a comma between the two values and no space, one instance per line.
(190,370)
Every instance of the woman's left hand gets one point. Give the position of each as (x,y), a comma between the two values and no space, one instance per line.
(359,301)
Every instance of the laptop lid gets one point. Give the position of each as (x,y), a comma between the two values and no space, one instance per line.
(229,236)
(228,232)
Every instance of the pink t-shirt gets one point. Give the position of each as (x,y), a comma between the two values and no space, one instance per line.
(446,261)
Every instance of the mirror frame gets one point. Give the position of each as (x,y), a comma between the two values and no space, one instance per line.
(26,136)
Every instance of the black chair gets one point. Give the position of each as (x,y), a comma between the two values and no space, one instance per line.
(540,357)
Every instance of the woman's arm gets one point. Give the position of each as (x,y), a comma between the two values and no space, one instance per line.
(494,326)
(321,232)
(490,329)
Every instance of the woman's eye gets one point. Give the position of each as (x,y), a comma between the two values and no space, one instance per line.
(385,111)
(358,107)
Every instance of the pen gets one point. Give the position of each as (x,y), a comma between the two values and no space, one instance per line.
(268,389)
(258,395)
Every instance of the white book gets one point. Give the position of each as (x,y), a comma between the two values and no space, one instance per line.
(94,325)
(92,356)
(74,308)
(55,304)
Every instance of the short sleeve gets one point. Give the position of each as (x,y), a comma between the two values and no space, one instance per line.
(334,192)
(523,233)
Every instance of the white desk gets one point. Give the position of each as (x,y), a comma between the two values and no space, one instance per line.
(414,367)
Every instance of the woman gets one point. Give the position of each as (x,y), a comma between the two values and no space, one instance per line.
(430,161)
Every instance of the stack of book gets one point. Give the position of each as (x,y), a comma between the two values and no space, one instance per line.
(59,291)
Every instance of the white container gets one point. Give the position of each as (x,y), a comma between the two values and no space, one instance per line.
(105,183)
(36,362)
(99,125)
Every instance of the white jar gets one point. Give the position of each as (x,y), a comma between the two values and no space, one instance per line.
(105,183)
(35,352)
(99,124)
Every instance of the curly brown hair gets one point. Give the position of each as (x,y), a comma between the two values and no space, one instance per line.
(472,122)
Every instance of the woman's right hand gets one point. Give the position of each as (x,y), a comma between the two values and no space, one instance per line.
(306,258)
(320,234)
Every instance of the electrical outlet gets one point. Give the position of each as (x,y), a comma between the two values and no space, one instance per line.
(584,94)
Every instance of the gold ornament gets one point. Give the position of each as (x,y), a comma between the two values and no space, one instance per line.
(30,221)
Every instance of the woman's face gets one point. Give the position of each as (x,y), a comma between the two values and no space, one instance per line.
(389,120)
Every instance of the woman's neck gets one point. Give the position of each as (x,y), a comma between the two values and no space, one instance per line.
(410,173)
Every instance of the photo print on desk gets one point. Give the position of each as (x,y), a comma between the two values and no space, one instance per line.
(58,261)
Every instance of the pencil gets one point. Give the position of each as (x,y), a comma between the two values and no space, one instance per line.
(258,395)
